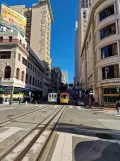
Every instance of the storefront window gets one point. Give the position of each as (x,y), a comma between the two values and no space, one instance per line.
(110,72)
(110,50)
(107,31)
(107,12)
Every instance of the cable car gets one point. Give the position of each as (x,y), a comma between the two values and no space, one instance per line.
(52,97)
(64,98)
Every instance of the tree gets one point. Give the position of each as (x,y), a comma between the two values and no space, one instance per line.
(71,85)
(64,87)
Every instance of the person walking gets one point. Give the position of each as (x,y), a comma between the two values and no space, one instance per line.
(118,105)
(92,100)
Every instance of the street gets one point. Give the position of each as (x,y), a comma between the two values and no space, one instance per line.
(80,135)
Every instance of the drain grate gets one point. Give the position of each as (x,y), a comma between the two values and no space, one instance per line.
(104,136)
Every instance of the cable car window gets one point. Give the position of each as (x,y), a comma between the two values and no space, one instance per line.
(50,96)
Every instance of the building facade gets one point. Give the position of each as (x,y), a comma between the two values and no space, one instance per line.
(77,58)
(21,71)
(83,14)
(64,77)
(53,81)
(38,33)
(58,80)
(100,54)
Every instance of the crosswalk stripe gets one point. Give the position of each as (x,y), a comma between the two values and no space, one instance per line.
(63,149)
(12,130)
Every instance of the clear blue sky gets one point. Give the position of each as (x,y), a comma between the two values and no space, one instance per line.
(63,31)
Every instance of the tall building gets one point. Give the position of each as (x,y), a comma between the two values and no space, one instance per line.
(84,10)
(38,33)
(83,16)
(77,58)
(100,53)
(64,77)
(38,29)
(58,79)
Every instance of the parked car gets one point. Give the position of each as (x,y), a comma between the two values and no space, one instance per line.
(80,103)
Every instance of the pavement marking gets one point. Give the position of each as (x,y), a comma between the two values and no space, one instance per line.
(70,106)
(12,130)
(67,149)
(6,108)
(17,150)
(59,148)
(79,108)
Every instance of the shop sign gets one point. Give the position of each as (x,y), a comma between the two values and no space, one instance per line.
(109,83)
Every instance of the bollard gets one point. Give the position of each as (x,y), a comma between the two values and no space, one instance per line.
(26,102)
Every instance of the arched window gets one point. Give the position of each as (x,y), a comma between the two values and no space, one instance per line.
(33,83)
(17,73)
(26,78)
(36,83)
(30,79)
(22,76)
(7,73)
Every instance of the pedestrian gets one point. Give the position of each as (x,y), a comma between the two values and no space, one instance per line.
(92,100)
(19,100)
(118,105)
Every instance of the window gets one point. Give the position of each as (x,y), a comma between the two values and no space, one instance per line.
(26,78)
(5,54)
(110,72)
(1,39)
(110,50)
(22,76)
(10,38)
(33,81)
(107,31)
(19,57)
(24,61)
(17,73)
(107,12)
(31,66)
(30,79)
(28,65)
(36,83)
(7,73)
(84,14)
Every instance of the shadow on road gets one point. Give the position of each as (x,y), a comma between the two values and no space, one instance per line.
(84,130)
(97,151)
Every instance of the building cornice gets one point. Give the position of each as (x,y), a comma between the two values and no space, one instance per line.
(49,6)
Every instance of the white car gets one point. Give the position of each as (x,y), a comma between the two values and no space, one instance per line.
(80,103)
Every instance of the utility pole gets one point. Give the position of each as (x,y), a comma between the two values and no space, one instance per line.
(11,95)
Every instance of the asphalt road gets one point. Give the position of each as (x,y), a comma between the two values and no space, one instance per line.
(87,135)
(82,134)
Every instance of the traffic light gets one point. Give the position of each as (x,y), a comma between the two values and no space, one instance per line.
(1,88)
(118,89)
(91,91)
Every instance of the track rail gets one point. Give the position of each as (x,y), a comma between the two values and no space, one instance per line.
(42,126)
(23,115)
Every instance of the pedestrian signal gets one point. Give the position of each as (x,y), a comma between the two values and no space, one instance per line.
(118,89)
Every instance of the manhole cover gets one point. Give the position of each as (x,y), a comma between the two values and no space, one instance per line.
(104,136)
